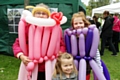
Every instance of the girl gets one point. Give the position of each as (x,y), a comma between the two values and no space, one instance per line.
(65,68)
(79,21)
(40,11)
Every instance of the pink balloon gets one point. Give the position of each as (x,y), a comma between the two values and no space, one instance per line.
(82,70)
(97,70)
(45,40)
(95,42)
(35,72)
(30,42)
(30,66)
(53,41)
(37,42)
(22,70)
(22,37)
(48,70)
(82,45)
(74,49)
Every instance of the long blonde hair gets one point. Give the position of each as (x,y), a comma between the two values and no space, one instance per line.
(58,69)
(82,15)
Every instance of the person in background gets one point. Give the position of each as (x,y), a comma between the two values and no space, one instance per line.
(79,22)
(107,32)
(65,68)
(95,21)
(39,12)
(116,30)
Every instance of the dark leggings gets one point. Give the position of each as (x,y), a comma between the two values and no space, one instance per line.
(41,76)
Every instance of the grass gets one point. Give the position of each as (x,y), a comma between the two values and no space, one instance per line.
(9,66)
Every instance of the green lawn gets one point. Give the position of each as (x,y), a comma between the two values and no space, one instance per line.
(9,66)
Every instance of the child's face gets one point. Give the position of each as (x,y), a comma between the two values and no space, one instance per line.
(78,23)
(40,14)
(67,66)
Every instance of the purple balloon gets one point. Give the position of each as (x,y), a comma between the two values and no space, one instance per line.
(85,30)
(88,42)
(76,63)
(97,70)
(95,43)
(68,44)
(82,45)
(105,71)
(79,31)
(92,26)
(82,70)
(74,49)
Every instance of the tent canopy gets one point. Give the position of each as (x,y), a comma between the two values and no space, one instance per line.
(112,8)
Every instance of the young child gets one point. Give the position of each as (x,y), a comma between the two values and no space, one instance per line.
(38,12)
(79,21)
(65,68)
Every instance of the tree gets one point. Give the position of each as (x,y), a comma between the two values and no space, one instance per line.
(26,3)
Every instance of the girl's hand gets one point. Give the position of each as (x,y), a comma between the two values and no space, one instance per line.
(25,59)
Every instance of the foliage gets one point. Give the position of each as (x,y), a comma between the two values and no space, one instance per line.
(97,3)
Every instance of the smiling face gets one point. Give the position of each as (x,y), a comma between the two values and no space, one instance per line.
(78,23)
(67,66)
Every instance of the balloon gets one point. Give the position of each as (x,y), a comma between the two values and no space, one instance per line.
(95,43)
(25,13)
(68,44)
(88,41)
(48,70)
(64,20)
(76,63)
(31,41)
(22,70)
(82,70)
(96,69)
(74,49)
(105,71)
(92,26)
(85,30)
(35,73)
(57,16)
(79,31)
(45,40)
(30,66)
(37,42)
(81,45)
(53,41)
(22,37)
(40,21)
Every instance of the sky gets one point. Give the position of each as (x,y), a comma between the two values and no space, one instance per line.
(85,1)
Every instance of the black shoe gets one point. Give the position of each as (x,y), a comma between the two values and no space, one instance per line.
(114,54)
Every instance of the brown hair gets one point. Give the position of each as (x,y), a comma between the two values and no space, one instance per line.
(106,12)
(116,14)
(58,69)
(80,14)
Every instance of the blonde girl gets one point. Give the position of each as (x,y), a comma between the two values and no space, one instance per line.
(65,68)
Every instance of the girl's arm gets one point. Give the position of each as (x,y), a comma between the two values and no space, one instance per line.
(16,48)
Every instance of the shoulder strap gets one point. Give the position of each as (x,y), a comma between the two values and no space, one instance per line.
(116,22)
